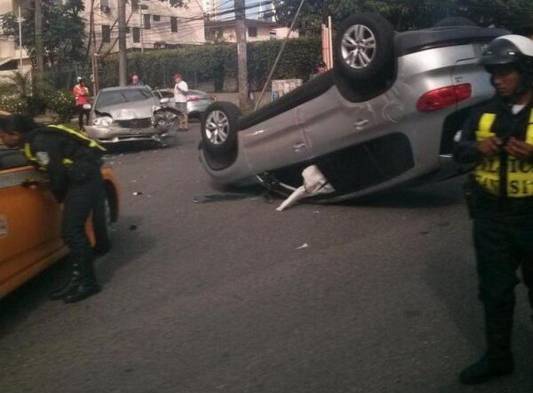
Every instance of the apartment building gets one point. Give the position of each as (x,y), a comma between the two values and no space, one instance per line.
(150,24)
(11,56)
(256,30)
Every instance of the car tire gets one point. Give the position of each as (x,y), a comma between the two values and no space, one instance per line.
(364,47)
(219,128)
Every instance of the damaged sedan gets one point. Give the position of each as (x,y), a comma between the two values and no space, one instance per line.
(385,116)
(132,114)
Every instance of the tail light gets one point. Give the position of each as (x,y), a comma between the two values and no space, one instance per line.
(444,97)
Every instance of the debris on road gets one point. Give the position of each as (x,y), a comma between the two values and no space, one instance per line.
(315,183)
(305,245)
(137,193)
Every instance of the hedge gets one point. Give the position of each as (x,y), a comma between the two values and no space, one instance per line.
(215,62)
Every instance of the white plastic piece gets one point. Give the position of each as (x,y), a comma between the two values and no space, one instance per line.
(315,183)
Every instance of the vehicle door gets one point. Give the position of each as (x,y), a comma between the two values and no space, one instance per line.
(29,220)
(276,143)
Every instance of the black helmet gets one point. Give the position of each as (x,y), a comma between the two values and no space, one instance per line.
(510,49)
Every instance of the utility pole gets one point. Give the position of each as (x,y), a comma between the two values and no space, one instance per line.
(242,61)
(39,48)
(122,59)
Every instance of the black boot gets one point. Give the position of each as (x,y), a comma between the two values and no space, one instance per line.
(87,284)
(68,285)
(498,360)
(487,368)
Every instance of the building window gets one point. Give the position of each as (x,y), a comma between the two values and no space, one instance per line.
(252,31)
(106,33)
(128,30)
(157,18)
(173,24)
(134,5)
(136,34)
(273,35)
(147,21)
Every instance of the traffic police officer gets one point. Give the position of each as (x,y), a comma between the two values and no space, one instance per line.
(72,161)
(498,139)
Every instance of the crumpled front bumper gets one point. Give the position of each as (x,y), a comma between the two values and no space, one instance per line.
(114,134)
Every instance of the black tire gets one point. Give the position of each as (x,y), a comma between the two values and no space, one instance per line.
(220,124)
(364,47)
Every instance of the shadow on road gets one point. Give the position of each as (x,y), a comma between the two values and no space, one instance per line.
(130,242)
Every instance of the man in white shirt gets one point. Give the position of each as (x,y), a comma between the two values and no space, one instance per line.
(180,99)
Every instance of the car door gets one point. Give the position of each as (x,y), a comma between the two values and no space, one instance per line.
(29,222)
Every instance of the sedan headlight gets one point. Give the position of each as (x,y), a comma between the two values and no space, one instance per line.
(104,121)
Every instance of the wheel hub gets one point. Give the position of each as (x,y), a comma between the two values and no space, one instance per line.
(217,127)
(358,46)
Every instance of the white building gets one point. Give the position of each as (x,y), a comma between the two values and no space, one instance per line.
(10,53)
(150,24)
(256,30)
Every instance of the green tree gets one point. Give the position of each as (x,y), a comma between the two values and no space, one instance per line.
(407,14)
(63,31)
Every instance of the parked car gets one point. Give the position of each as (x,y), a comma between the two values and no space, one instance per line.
(30,218)
(385,116)
(197,100)
(131,114)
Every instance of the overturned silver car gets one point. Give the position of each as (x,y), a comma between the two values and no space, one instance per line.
(132,114)
(384,116)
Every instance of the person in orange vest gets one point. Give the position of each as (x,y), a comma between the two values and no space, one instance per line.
(83,106)
(498,140)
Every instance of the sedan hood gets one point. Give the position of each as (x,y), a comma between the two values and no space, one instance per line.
(129,111)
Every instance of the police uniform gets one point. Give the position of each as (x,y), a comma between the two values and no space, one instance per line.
(73,162)
(500,194)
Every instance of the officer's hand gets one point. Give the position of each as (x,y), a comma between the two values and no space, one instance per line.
(490,146)
(519,149)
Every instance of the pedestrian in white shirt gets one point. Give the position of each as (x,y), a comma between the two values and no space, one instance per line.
(180,99)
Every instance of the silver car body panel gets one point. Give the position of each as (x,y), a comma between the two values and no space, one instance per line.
(330,122)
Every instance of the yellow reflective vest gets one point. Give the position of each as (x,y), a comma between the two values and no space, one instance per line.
(519,172)
(80,136)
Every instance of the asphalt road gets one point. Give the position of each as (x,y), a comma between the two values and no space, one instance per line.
(214,292)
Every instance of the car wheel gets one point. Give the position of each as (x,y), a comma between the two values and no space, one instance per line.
(364,47)
(219,127)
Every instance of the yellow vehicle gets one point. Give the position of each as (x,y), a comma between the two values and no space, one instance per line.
(30,220)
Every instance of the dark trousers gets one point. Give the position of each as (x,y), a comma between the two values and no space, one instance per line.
(81,200)
(502,247)
(81,113)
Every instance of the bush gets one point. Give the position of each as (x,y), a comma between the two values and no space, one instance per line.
(212,62)
(13,104)
(62,102)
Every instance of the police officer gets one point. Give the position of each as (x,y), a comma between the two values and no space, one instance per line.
(72,161)
(498,139)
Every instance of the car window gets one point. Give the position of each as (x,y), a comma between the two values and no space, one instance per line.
(115,97)
(10,159)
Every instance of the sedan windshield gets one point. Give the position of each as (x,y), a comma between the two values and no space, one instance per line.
(115,97)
